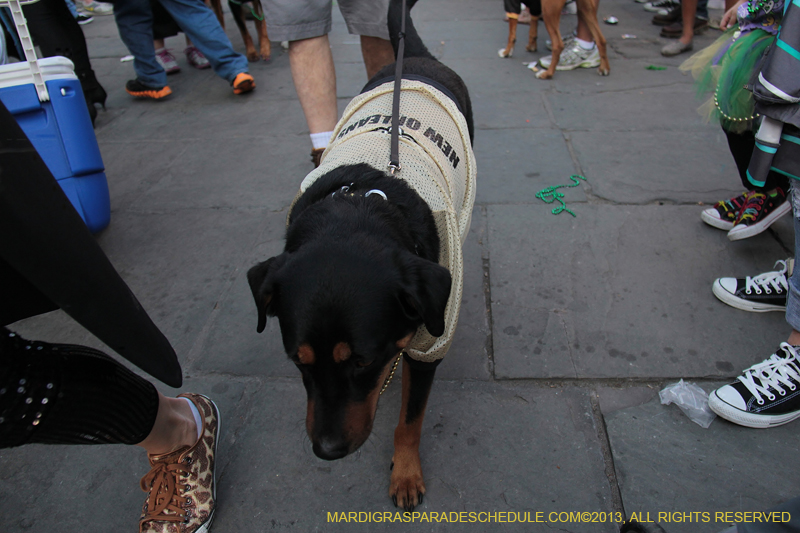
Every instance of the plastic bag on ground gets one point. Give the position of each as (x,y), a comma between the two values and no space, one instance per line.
(691,399)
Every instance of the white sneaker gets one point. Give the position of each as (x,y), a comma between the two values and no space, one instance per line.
(574,57)
(96,8)
(567,39)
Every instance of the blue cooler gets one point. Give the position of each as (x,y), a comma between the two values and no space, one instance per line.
(61,131)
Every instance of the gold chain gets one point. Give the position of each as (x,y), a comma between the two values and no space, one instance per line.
(732,119)
(391,374)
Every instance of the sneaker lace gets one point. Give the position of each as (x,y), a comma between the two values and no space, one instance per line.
(752,206)
(572,53)
(733,204)
(768,281)
(194,55)
(165,503)
(779,369)
(166,56)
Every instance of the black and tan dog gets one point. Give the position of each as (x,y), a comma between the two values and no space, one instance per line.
(371,268)
(237,8)
(513,12)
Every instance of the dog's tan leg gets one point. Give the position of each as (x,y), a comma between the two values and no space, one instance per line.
(407,486)
(533,34)
(265,48)
(238,16)
(216,7)
(512,36)
(587,9)
(551,13)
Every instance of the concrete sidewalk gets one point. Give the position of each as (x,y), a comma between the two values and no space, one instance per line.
(570,326)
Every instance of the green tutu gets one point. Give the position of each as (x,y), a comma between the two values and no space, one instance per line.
(724,68)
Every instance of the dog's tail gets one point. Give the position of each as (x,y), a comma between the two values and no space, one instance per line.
(414,47)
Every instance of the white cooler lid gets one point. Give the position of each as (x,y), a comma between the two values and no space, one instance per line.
(52,68)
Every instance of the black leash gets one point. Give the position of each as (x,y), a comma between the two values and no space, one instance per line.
(394,158)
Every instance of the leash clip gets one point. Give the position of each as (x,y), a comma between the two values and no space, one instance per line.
(394,168)
(344,189)
(378,192)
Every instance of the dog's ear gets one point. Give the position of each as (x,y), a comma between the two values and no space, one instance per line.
(424,292)
(262,279)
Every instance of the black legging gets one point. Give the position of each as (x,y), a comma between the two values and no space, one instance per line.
(741,146)
(57,33)
(67,394)
(56,393)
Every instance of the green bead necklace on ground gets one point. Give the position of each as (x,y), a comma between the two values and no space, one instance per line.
(551,194)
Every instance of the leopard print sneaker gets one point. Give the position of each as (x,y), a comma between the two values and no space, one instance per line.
(181,487)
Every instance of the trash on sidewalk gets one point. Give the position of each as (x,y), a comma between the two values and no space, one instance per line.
(125,59)
(628,36)
(611,20)
(532,65)
(655,67)
(691,399)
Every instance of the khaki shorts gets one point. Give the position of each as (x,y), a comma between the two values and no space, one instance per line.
(293,20)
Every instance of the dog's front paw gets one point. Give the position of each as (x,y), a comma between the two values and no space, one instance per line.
(544,75)
(603,71)
(407,486)
(505,52)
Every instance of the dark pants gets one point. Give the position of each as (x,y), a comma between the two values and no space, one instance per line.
(741,146)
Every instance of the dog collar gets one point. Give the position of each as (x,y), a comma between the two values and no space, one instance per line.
(344,190)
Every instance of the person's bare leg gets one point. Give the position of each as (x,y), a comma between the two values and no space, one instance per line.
(174,427)
(794,338)
(688,13)
(158,44)
(314,78)
(377,54)
(584,34)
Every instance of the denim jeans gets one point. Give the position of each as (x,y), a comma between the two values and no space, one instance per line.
(793,300)
(135,22)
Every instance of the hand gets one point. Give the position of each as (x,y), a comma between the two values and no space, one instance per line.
(729,18)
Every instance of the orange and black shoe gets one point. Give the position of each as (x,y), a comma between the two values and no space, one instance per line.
(140,90)
(243,83)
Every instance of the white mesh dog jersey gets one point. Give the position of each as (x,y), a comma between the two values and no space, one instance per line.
(436,160)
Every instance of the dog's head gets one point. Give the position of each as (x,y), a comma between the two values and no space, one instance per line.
(345,314)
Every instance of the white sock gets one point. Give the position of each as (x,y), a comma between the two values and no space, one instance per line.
(321,140)
(160,50)
(197,419)
(586,45)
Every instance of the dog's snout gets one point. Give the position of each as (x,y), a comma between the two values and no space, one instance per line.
(330,449)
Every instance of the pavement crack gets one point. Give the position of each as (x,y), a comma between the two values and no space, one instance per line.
(487,293)
(640,88)
(788,251)
(608,458)
(549,109)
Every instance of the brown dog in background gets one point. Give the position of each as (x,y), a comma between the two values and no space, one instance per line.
(237,9)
